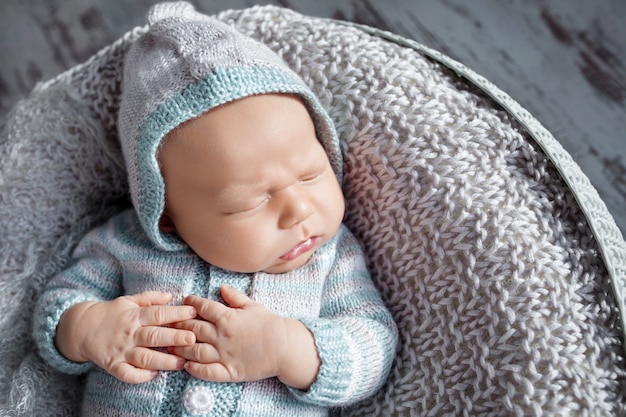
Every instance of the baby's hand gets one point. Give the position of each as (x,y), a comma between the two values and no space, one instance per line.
(119,335)
(246,342)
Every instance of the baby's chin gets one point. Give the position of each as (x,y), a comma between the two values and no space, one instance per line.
(281,266)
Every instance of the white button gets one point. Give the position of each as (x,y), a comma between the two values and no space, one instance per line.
(199,400)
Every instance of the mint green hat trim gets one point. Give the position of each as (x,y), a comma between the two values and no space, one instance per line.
(219,87)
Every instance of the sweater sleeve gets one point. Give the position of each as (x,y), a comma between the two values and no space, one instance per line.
(93,274)
(355,334)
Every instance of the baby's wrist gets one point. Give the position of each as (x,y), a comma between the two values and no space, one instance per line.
(70,337)
(300,362)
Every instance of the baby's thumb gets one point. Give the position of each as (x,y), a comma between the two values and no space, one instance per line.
(233,297)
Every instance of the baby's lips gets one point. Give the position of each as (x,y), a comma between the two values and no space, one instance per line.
(299,249)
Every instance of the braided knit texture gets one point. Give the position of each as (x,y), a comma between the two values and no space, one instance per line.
(503,303)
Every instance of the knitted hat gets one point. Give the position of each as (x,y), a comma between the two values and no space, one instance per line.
(186,64)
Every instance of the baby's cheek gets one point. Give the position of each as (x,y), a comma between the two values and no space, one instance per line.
(247,248)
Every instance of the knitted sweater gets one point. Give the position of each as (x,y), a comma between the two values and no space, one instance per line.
(332,295)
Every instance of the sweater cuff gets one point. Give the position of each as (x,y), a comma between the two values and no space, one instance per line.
(333,384)
(44,332)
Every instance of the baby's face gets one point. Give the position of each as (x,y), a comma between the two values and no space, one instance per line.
(249,187)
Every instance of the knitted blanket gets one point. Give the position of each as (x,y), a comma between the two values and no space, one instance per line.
(503,300)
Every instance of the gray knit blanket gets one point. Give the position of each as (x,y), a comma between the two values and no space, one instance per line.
(503,289)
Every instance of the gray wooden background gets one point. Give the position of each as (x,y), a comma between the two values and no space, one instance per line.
(563,60)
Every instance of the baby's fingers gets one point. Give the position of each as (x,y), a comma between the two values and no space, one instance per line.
(131,374)
(162,315)
(157,336)
(203,330)
(143,359)
(216,372)
(209,310)
(199,352)
(150,298)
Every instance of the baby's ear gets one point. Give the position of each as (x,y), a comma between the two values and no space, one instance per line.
(166,224)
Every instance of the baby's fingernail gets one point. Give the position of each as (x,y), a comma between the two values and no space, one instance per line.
(180,364)
(192,312)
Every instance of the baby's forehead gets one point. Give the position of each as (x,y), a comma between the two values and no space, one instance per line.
(194,134)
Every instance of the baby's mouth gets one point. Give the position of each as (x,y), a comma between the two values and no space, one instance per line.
(299,249)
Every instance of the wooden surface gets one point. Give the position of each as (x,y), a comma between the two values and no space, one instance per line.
(564,61)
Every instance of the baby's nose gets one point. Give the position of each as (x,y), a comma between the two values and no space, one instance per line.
(295,207)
